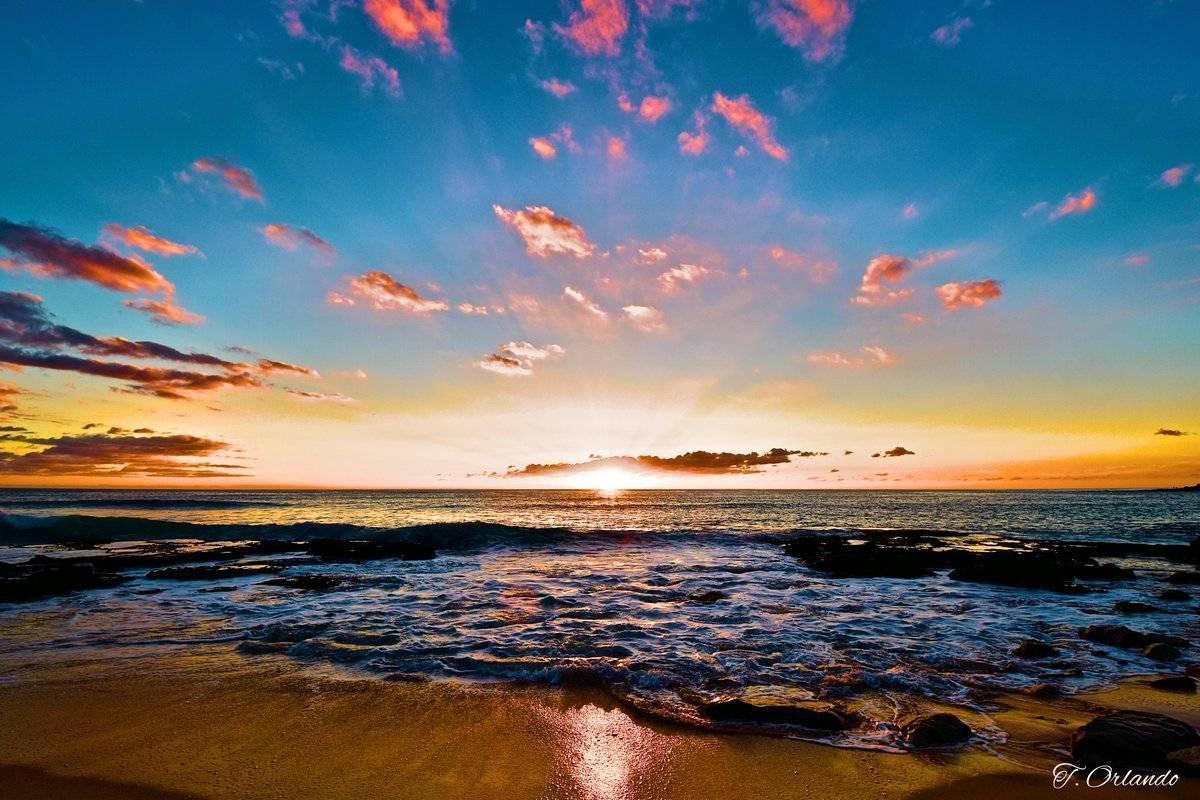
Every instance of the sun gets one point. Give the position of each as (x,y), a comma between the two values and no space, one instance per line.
(609,481)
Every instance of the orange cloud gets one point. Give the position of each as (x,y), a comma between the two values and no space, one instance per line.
(645,318)
(546,233)
(968,294)
(1174,176)
(236,178)
(597,27)
(1080,203)
(684,273)
(651,255)
(470,309)
(742,115)
(543,147)
(697,461)
(383,292)
(369,68)
(616,148)
(818,27)
(45,253)
(291,238)
(559,89)
(409,23)
(585,302)
(143,239)
(651,109)
(125,455)
(873,356)
(165,312)
(516,359)
(269,366)
(320,397)
(693,143)
(880,270)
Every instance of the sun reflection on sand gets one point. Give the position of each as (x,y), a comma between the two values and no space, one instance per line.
(608,755)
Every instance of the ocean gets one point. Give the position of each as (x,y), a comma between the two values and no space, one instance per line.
(671,600)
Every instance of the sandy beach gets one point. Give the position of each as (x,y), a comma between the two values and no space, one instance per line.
(219,725)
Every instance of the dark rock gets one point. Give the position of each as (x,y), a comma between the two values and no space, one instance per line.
(220,589)
(368,550)
(844,558)
(1032,648)
(212,572)
(1185,578)
(1131,739)
(708,597)
(937,730)
(1043,690)
(312,582)
(1020,570)
(1120,636)
(1185,761)
(1175,683)
(742,711)
(39,578)
(1132,607)
(1161,651)
(1173,595)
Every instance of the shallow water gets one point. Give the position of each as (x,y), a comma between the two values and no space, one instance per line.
(617,607)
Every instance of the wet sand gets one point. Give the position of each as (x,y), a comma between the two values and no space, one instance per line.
(219,725)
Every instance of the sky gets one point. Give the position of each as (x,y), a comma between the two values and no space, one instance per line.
(614,243)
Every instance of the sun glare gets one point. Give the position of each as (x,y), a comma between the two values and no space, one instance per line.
(608,482)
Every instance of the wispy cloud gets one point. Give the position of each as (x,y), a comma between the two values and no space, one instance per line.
(381,291)
(585,302)
(645,318)
(517,358)
(597,27)
(741,113)
(290,237)
(694,142)
(968,294)
(546,233)
(142,239)
(817,27)
(558,88)
(950,34)
(164,312)
(683,273)
(233,177)
(370,69)
(872,356)
(1174,176)
(411,23)
(49,254)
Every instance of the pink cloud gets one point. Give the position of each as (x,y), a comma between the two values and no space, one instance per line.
(143,239)
(597,27)
(684,273)
(1138,260)
(968,294)
(891,269)
(546,233)
(817,27)
(559,89)
(819,270)
(693,143)
(472,310)
(517,359)
(950,34)
(652,108)
(47,254)
(547,146)
(615,148)
(1174,176)
(645,318)
(911,211)
(291,238)
(585,302)
(409,23)
(1080,203)
(369,68)
(164,312)
(236,178)
(381,291)
(873,356)
(752,123)
(543,147)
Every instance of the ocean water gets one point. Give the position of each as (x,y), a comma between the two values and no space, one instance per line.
(602,588)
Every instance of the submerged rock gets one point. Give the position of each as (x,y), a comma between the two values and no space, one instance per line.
(42,577)
(1043,690)
(1131,739)
(212,572)
(1021,570)
(936,730)
(367,550)
(1132,607)
(1186,578)
(1174,595)
(1175,683)
(708,597)
(1161,651)
(1033,648)
(742,711)
(312,582)
(1120,636)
